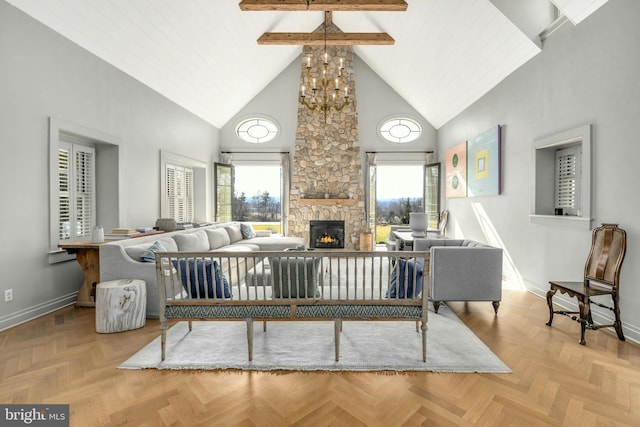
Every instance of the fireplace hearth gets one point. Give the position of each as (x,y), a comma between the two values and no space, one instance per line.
(326,234)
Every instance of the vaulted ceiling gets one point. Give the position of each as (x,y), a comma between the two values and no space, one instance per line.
(204,55)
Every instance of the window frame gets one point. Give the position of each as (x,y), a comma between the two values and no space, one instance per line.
(414,135)
(201,184)
(272,134)
(436,188)
(229,189)
(106,178)
(275,164)
(399,159)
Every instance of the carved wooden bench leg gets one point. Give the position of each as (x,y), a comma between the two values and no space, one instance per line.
(250,338)
(337,327)
(163,339)
(424,328)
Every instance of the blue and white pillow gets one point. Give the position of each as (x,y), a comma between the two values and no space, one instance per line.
(398,288)
(247,231)
(150,254)
(199,276)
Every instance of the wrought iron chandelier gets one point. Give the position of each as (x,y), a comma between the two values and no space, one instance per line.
(320,95)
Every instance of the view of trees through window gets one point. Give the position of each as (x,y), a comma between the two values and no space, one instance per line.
(399,191)
(256,196)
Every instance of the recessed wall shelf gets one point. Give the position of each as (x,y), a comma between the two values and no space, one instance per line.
(544,175)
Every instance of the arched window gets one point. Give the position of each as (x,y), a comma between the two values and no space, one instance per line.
(400,130)
(256,130)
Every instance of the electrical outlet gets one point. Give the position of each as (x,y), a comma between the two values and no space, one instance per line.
(8,295)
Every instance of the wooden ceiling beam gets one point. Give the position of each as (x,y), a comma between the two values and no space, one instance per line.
(333,39)
(325,5)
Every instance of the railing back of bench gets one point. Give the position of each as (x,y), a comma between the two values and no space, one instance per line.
(286,277)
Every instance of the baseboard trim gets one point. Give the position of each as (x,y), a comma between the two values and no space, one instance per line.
(22,316)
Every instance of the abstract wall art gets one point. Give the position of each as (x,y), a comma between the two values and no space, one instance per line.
(484,175)
(456,171)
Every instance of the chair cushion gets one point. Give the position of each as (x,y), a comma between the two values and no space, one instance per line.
(200,279)
(298,271)
(397,281)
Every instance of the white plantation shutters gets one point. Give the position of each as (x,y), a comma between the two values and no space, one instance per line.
(567,192)
(64,192)
(180,200)
(76,191)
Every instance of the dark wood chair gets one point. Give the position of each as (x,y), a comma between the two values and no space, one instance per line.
(601,277)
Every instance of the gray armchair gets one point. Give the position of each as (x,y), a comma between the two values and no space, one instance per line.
(462,270)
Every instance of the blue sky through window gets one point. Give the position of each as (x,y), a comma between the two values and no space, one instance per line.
(396,182)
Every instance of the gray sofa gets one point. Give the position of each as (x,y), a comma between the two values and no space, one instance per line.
(134,258)
(463,270)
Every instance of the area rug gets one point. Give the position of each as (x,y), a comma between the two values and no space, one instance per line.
(309,346)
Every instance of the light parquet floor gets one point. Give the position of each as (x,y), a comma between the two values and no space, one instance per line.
(59,358)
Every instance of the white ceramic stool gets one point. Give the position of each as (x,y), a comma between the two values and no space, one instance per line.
(121,305)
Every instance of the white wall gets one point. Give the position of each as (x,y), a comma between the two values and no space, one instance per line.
(376,101)
(585,74)
(44,75)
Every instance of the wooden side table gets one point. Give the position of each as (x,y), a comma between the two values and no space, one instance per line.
(88,256)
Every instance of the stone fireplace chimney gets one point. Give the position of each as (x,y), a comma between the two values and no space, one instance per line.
(327,181)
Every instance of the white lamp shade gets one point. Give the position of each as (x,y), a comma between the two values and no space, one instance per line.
(419,223)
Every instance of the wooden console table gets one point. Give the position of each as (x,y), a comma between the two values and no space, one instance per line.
(88,256)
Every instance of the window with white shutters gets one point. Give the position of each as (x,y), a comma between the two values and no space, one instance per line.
(561,179)
(567,191)
(180,193)
(76,191)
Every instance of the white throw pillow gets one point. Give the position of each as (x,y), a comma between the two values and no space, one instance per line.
(235,234)
(169,244)
(192,242)
(218,237)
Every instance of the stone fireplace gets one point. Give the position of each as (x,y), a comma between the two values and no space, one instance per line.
(327,182)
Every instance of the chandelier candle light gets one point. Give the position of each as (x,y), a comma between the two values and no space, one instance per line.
(320,96)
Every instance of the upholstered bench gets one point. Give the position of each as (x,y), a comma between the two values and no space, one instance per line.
(303,285)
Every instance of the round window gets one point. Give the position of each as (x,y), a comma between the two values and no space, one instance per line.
(400,130)
(256,131)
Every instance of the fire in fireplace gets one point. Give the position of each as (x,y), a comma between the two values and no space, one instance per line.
(326,234)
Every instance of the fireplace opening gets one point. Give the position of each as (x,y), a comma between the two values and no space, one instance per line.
(326,234)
